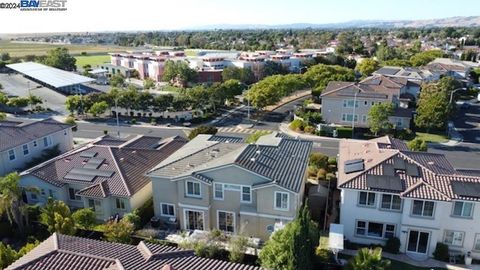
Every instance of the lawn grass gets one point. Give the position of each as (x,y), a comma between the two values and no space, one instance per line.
(20,49)
(396,265)
(92,60)
(429,137)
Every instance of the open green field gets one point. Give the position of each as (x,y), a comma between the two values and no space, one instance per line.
(17,49)
(92,60)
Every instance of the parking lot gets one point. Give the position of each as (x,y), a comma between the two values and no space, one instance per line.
(17,85)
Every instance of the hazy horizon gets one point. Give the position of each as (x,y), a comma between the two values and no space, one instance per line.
(144,15)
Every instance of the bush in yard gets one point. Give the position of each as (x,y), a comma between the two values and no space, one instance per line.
(252,138)
(318,161)
(321,174)
(70,120)
(417,144)
(441,252)
(202,130)
(297,125)
(238,247)
(368,259)
(133,218)
(84,218)
(344,132)
(207,250)
(119,231)
(324,255)
(392,245)
(309,129)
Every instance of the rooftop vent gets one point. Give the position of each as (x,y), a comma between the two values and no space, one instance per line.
(431,163)
(252,159)
(88,154)
(258,152)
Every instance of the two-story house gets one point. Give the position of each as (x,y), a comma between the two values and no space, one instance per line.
(107,175)
(415,76)
(346,102)
(418,197)
(457,69)
(216,182)
(21,143)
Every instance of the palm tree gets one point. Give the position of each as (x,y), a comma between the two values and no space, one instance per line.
(369,259)
(11,202)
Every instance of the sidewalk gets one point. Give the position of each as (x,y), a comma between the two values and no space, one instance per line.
(427,263)
(284,128)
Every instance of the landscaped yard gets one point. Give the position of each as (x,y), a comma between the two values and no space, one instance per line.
(92,60)
(396,265)
(435,138)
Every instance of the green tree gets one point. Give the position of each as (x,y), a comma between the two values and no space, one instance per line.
(231,88)
(320,75)
(60,58)
(417,144)
(148,83)
(378,117)
(3,116)
(7,255)
(34,100)
(178,70)
(279,251)
(128,98)
(98,108)
(272,89)
(202,130)
(423,58)
(318,161)
(245,75)
(369,259)
(5,56)
(20,102)
(117,80)
(119,231)
(57,217)
(84,218)
(134,218)
(367,66)
(3,98)
(74,104)
(11,201)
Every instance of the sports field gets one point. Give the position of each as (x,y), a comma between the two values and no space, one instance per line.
(92,60)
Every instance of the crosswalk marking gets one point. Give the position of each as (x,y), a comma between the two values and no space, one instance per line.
(238,130)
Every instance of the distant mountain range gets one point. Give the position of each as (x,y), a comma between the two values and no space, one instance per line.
(472,21)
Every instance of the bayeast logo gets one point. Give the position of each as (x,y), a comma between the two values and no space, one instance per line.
(43,5)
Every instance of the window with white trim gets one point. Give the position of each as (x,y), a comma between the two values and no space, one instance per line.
(462,209)
(366,199)
(168,210)
(348,103)
(120,203)
(476,243)
(391,202)
(348,117)
(47,141)
(218,192)
(453,238)
(193,189)
(423,208)
(226,221)
(73,194)
(11,154)
(374,229)
(25,149)
(281,200)
(246,194)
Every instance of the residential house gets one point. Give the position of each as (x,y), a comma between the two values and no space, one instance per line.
(459,70)
(388,191)
(338,101)
(22,143)
(70,252)
(216,182)
(106,175)
(415,76)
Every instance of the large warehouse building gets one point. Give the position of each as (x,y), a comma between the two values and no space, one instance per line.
(54,78)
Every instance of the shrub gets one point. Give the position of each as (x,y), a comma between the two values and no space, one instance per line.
(417,144)
(71,121)
(105,131)
(84,218)
(297,125)
(207,250)
(441,252)
(405,134)
(238,246)
(119,232)
(323,255)
(344,132)
(134,121)
(392,245)
(331,177)
(309,129)
(202,130)
(145,212)
(133,218)
(252,138)
(318,160)
(153,121)
(321,174)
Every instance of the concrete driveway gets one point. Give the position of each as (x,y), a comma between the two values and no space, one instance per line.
(17,85)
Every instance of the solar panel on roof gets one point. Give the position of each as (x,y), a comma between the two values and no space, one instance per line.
(399,163)
(412,169)
(88,154)
(466,189)
(94,172)
(384,182)
(388,170)
(354,165)
(79,177)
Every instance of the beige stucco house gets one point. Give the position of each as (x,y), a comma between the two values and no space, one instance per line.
(21,143)
(345,102)
(107,175)
(216,182)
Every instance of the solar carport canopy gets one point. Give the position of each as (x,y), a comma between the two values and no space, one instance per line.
(52,76)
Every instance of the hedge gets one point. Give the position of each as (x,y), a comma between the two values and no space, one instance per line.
(344,132)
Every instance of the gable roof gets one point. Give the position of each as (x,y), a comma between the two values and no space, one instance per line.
(13,134)
(282,160)
(422,175)
(108,169)
(69,252)
(376,86)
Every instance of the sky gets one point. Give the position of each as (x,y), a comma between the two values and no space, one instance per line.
(131,15)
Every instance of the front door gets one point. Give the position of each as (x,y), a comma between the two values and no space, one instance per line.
(418,242)
(193,220)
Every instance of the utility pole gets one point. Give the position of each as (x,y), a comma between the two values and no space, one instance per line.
(118,122)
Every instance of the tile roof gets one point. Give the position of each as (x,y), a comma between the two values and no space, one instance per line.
(282,160)
(68,252)
(423,175)
(13,135)
(118,169)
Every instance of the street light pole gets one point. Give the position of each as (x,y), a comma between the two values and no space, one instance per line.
(116,114)
(353,116)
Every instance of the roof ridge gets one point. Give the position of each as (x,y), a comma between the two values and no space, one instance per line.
(136,138)
(340,88)
(114,158)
